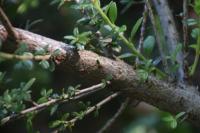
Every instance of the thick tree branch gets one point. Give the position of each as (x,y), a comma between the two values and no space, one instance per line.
(163,95)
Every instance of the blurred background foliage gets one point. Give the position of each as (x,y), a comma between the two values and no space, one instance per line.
(43,17)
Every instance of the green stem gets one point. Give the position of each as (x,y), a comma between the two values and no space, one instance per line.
(129,44)
(122,37)
(196,60)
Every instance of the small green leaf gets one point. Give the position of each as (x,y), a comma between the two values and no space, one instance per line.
(57,52)
(42,100)
(191,22)
(2,75)
(49,92)
(195,33)
(171,120)
(22,8)
(112,13)
(52,66)
(143,75)
(25,64)
(22,48)
(44,64)
(176,51)
(135,28)
(197,7)
(71,91)
(97,3)
(53,109)
(122,29)
(65,116)
(173,124)
(148,45)
(29,84)
(194,46)
(55,124)
(76,31)
(40,51)
(179,115)
(29,124)
(126,55)
(69,37)
(168,118)
(7,98)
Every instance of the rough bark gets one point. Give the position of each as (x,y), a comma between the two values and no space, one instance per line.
(165,96)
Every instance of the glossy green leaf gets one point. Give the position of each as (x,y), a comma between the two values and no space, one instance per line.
(126,55)
(194,46)
(173,124)
(191,22)
(53,109)
(195,33)
(44,64)
(55,124)
(135,28)
(112,13)
(197,7)
(29,84)
(143,74)
(179,115)
(148,46)
(2,75)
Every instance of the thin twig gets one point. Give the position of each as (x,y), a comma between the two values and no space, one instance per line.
(110,122)
(143,28)
(129,4)
(185,33)
(92,109)
(142,31)
(97,106)
(39,107)
(9,56)
(185,27)
(8,26)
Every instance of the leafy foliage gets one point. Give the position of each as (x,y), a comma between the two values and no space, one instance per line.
(96,30)
(14,101)
(195,35)
(79,39)
(172,121)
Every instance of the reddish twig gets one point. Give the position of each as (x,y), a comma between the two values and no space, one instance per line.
(142,31)
(92,109)
(8,26)
(110,122)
